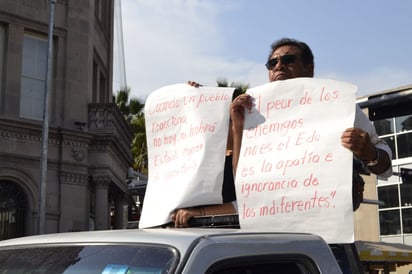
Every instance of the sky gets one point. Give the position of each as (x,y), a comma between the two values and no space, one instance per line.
(367,43)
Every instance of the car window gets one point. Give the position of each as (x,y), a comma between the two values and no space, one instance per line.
(277,264)
(347,257)
(105,259)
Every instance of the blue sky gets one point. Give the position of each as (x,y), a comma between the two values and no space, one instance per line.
(367,42)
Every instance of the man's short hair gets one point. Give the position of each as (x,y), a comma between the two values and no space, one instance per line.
(307,55)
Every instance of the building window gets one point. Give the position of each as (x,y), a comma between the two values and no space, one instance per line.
(103,88)
(397,132)
(95,86)
(407,220)
(389,195)
(101,11)
(403,123)
(395,217)
(100,84)
(384,127)
(406,194)
(2,43)
(98,9)
(33,77)
(390,222)
(404,144)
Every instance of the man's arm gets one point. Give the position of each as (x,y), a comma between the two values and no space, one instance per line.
(383,162)
(237,116)
(360,143)
(376,161)
(181,216)
(237,141)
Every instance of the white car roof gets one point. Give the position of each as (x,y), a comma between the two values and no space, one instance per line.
(181,238)
(192,244)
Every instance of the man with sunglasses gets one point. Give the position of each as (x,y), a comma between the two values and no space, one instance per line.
(290,58)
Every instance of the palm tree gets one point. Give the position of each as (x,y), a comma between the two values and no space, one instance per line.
(129,107)
(239,87)
(131,110)
(139,144)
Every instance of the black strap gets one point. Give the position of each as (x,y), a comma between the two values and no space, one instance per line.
(217,221)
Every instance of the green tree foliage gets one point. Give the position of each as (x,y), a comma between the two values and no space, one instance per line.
(239,87)
(132,111)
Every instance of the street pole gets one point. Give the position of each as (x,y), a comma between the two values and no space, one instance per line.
(45,135)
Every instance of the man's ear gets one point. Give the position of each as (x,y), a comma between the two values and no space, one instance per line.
(309,70)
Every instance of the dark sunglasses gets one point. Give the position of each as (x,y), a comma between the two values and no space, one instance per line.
(285,59)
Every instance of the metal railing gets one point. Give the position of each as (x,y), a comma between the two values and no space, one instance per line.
(12,222)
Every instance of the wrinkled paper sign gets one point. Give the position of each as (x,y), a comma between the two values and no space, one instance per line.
(293,173)
(186,129)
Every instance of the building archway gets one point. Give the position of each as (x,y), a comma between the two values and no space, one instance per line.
(13,210)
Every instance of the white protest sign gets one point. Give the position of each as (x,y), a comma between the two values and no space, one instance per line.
(293,174)
(186,130)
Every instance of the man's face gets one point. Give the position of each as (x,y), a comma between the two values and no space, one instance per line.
(292,67)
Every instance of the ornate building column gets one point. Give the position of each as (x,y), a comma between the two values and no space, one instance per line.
(120,213)
(73,197)
(102,214)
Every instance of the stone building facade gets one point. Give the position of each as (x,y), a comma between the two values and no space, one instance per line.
(89,141)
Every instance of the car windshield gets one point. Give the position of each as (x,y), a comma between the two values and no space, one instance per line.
(105,259)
